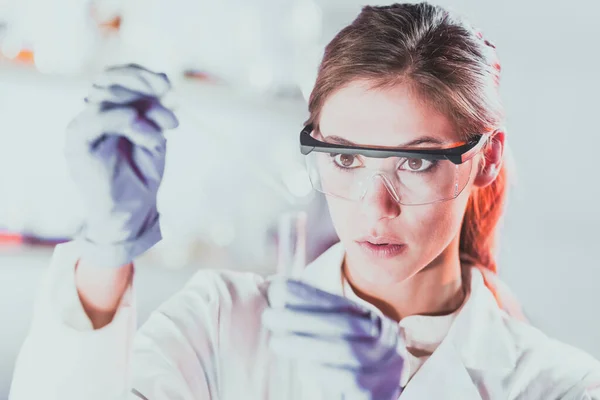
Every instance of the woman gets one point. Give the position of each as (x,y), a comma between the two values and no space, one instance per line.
(405,138)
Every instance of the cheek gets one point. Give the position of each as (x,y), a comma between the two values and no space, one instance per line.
(434,225)
(343,215)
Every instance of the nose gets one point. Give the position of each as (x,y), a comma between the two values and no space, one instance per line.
(379,201)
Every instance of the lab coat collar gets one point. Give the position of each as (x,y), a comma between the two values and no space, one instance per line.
(478,347)
(478,339)
(479,332)
(325,272)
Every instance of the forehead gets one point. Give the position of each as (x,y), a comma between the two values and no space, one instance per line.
(384,117)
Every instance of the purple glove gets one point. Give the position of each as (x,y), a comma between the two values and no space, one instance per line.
(335,341)
(115,151)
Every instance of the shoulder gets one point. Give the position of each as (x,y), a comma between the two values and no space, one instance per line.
(541,367)
(551,366)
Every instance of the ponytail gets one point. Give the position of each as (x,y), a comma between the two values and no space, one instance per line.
(478,233)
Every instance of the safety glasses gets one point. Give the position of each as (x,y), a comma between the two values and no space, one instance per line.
(412,175)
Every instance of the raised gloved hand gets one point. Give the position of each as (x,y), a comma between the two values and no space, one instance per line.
(335,341)
(115,151)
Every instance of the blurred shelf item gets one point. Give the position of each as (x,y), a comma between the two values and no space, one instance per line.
(11,239)
(113,25)
(24,56)
(238,43)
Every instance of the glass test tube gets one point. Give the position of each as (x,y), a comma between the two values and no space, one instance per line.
(291,244)
(291,238)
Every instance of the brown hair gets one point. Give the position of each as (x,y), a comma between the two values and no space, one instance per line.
(449,65)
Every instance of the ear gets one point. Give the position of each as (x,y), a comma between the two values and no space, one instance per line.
(490,164)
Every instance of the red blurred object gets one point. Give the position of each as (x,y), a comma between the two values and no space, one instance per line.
(24,56)
(11,239)
(200,76)
(112,25)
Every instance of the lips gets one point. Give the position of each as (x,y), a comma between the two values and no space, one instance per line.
(380,240)
(381,246)
(382,251)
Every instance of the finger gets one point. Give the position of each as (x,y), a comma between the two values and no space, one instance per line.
(162,116)
(145,134)
(339,353)
(127,122)
(93,124)
(118,95)
(299,295)
(115,94)
(158,80)
(322,324)
(136,78)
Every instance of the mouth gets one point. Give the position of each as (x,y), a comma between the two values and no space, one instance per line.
(381,247)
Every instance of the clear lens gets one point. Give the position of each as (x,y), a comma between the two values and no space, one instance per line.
(412,181)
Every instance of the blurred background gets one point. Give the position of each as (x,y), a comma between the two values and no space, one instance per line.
(242,71)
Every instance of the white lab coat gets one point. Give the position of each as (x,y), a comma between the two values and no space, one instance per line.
(207,342)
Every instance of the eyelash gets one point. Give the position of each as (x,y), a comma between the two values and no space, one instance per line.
(430,169)
(432,166)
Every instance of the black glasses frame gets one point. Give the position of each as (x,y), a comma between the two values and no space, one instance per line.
(457,155)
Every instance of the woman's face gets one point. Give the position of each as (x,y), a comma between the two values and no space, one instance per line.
(426,233)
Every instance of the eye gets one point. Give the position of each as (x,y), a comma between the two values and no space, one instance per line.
(346,161)
(416,165)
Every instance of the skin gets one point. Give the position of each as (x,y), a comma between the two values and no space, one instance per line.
(426,278)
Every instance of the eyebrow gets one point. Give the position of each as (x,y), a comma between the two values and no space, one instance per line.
(415,142)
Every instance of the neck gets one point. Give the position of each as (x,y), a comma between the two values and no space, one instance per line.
(436,289)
